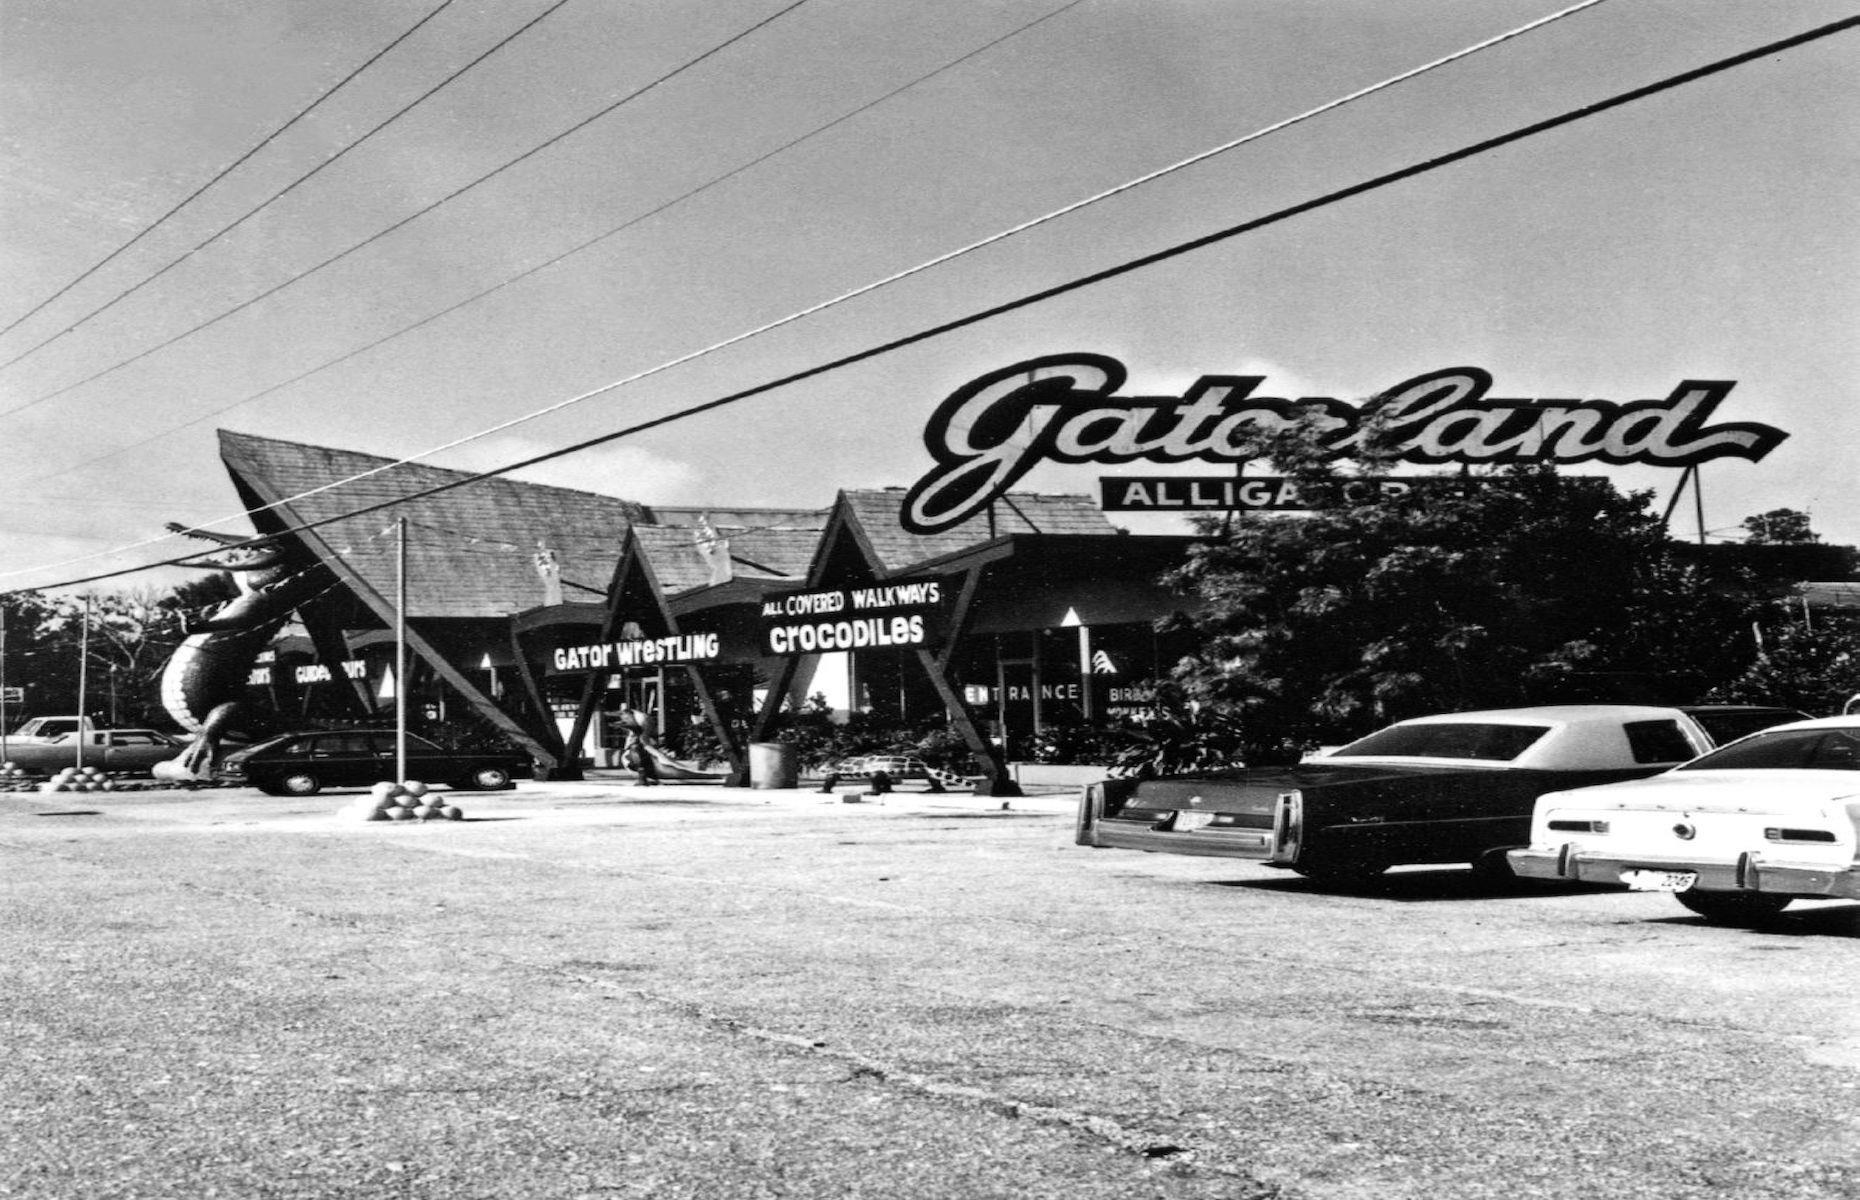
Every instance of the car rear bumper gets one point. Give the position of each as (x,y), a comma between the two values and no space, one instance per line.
(1750,873)
(1210,843)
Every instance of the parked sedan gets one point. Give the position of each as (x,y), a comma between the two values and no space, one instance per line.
(134,750)
(1725,723)
(1734,836)
(302,764)
(1443,789)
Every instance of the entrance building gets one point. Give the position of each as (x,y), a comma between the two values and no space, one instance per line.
(541,612)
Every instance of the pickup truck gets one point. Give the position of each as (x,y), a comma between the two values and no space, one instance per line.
(135,750)
(49,729)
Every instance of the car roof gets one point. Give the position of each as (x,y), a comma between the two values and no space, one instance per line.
(1851,721)
(1553,713)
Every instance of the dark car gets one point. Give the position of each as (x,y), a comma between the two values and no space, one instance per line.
(302,764)
(1444,789)
(1725,723)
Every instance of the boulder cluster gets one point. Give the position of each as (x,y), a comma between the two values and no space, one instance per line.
(15,779)
(70,779)
(409,801)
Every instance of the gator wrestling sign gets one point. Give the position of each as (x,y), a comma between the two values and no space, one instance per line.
(1065,409)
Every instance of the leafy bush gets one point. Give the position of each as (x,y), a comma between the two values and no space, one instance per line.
(819,740)
(1184,735)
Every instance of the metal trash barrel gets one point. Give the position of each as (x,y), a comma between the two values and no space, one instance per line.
(773,765)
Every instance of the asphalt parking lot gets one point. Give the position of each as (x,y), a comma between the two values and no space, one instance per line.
(596,990)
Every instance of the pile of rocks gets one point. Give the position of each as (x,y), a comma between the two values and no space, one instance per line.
(14,778)
(78,779)
(409,801)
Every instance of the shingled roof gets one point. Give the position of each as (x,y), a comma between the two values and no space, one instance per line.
(876,515)
(755,553)
(470,550)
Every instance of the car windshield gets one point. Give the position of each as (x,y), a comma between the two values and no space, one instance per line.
(1446,739)
(1787,750)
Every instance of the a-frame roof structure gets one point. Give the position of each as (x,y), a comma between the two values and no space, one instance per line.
(471,550)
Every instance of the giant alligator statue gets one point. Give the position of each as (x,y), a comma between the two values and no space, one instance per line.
(202,685)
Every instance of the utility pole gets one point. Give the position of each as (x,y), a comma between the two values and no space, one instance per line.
(3,721)
(83,731)
(400,655)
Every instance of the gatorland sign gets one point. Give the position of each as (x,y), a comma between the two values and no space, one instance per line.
(1065,409)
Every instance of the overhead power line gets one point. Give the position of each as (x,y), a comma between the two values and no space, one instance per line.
(526,273)
(228,169)
(1124,268)
(286,190)
(972,247)
(864,289)
(408,220)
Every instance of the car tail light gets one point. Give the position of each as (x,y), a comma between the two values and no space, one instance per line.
(1112,795)
(1579,826)
(1288,823)
(1799,835)
(1090,805)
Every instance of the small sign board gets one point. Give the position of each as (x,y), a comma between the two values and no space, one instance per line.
(12,695)
(1225,493)
(909,614)
(1268,493)
(680,649)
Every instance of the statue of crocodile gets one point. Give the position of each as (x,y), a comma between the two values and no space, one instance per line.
(205,679)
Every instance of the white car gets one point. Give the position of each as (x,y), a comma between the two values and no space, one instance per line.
(1735,834)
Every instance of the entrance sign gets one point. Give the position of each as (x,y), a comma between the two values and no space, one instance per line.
(858,618)
(1064,409)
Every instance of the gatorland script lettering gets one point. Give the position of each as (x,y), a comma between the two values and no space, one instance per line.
(1064,408)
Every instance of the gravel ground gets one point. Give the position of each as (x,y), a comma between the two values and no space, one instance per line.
(590,990)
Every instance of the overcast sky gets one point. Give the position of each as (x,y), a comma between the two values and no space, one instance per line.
(1706,233)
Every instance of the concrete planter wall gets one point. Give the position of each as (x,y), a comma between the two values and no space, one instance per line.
(1055,775)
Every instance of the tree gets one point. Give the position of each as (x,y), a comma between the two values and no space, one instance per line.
(1779,527)
(123,640)
(1814,669)
(29,649)
(1462,593)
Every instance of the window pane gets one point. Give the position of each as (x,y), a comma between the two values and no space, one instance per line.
(345,743)
(1764,752)
(1836,752)
(1492,743)
(1658,742)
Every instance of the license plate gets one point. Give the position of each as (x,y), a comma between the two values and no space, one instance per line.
(1188,822)
(1659,881)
